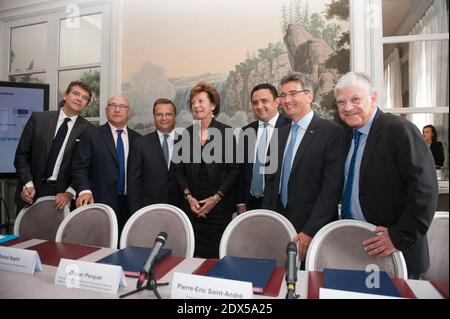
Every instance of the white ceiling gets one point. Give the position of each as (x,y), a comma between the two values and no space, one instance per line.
(399,16)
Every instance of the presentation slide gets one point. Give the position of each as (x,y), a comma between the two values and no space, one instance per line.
(16,106)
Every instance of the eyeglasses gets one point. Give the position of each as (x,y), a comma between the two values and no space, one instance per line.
(291,93)
(161,115)
(121,107)
(355,100)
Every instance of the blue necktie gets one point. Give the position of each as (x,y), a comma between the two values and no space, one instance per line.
(287,162)
(257,186)
(56,148)
(346,201)
(121,159)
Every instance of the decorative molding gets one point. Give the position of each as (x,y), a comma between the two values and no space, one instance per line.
(46,7)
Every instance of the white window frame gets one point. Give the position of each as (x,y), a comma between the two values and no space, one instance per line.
(52,12)
(367,42)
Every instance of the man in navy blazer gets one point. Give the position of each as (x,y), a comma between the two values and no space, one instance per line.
(308,183)
(32,154)
(393,184)
(151,177)
(264,99)
(96,169)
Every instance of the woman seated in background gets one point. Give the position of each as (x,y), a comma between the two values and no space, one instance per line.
(430,135)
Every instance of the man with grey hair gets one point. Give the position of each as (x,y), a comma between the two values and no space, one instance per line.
(307,185)
(390,179)
(99,167)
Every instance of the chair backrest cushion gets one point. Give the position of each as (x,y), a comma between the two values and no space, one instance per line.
(90,227)
(342,248)
(41,221)
(259,237)
(147,227)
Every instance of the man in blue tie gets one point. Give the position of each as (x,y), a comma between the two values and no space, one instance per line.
(390,178)
(307,185)
(253,147)
(44,154)
(100,163)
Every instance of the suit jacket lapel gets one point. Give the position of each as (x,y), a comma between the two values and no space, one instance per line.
(76,130)
(105,133)
(157,146)
(53,120)
(370,143)
(309,135)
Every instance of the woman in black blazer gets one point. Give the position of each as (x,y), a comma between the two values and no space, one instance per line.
(430,135)
(207,174)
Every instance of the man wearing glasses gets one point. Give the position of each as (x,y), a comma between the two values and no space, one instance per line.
(308,183)
(44,154)
(100,163)
(151,177)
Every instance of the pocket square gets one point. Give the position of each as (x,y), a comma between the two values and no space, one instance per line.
(77,140)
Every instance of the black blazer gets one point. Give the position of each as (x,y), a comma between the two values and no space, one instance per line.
(34,146)
(95,165)
(317,174)
(246,168)
(398,186)
(438,153)
(224,175)
(149,180)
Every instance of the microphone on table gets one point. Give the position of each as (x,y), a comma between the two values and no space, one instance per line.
(160,241)
(291,270)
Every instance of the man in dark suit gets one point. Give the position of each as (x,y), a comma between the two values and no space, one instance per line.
(253,138)
(44,155)
(100,161)
(308,183)
(151,175)
(390,179)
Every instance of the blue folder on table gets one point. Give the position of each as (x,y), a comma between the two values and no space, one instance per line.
(256,271)
(355,281)
(5,238)
(132,258)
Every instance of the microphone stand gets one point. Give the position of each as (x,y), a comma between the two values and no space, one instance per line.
(151,285)
(291,294)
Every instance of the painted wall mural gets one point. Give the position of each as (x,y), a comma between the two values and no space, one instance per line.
(169,45)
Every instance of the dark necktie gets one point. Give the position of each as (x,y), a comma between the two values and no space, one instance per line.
(121,159)
(56,148)
(346,201)
(165,148)
(287,162)
(257,186)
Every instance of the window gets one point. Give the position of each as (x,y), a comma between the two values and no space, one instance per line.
(57,44)
(27,65)
(79,58)
(403,45)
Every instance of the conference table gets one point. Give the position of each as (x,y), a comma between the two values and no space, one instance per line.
(41,285)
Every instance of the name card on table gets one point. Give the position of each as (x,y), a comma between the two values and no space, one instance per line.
(187,286)
(89,276)
(19,260)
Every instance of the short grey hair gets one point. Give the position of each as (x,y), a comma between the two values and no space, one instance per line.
(304,79)
(355,79)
